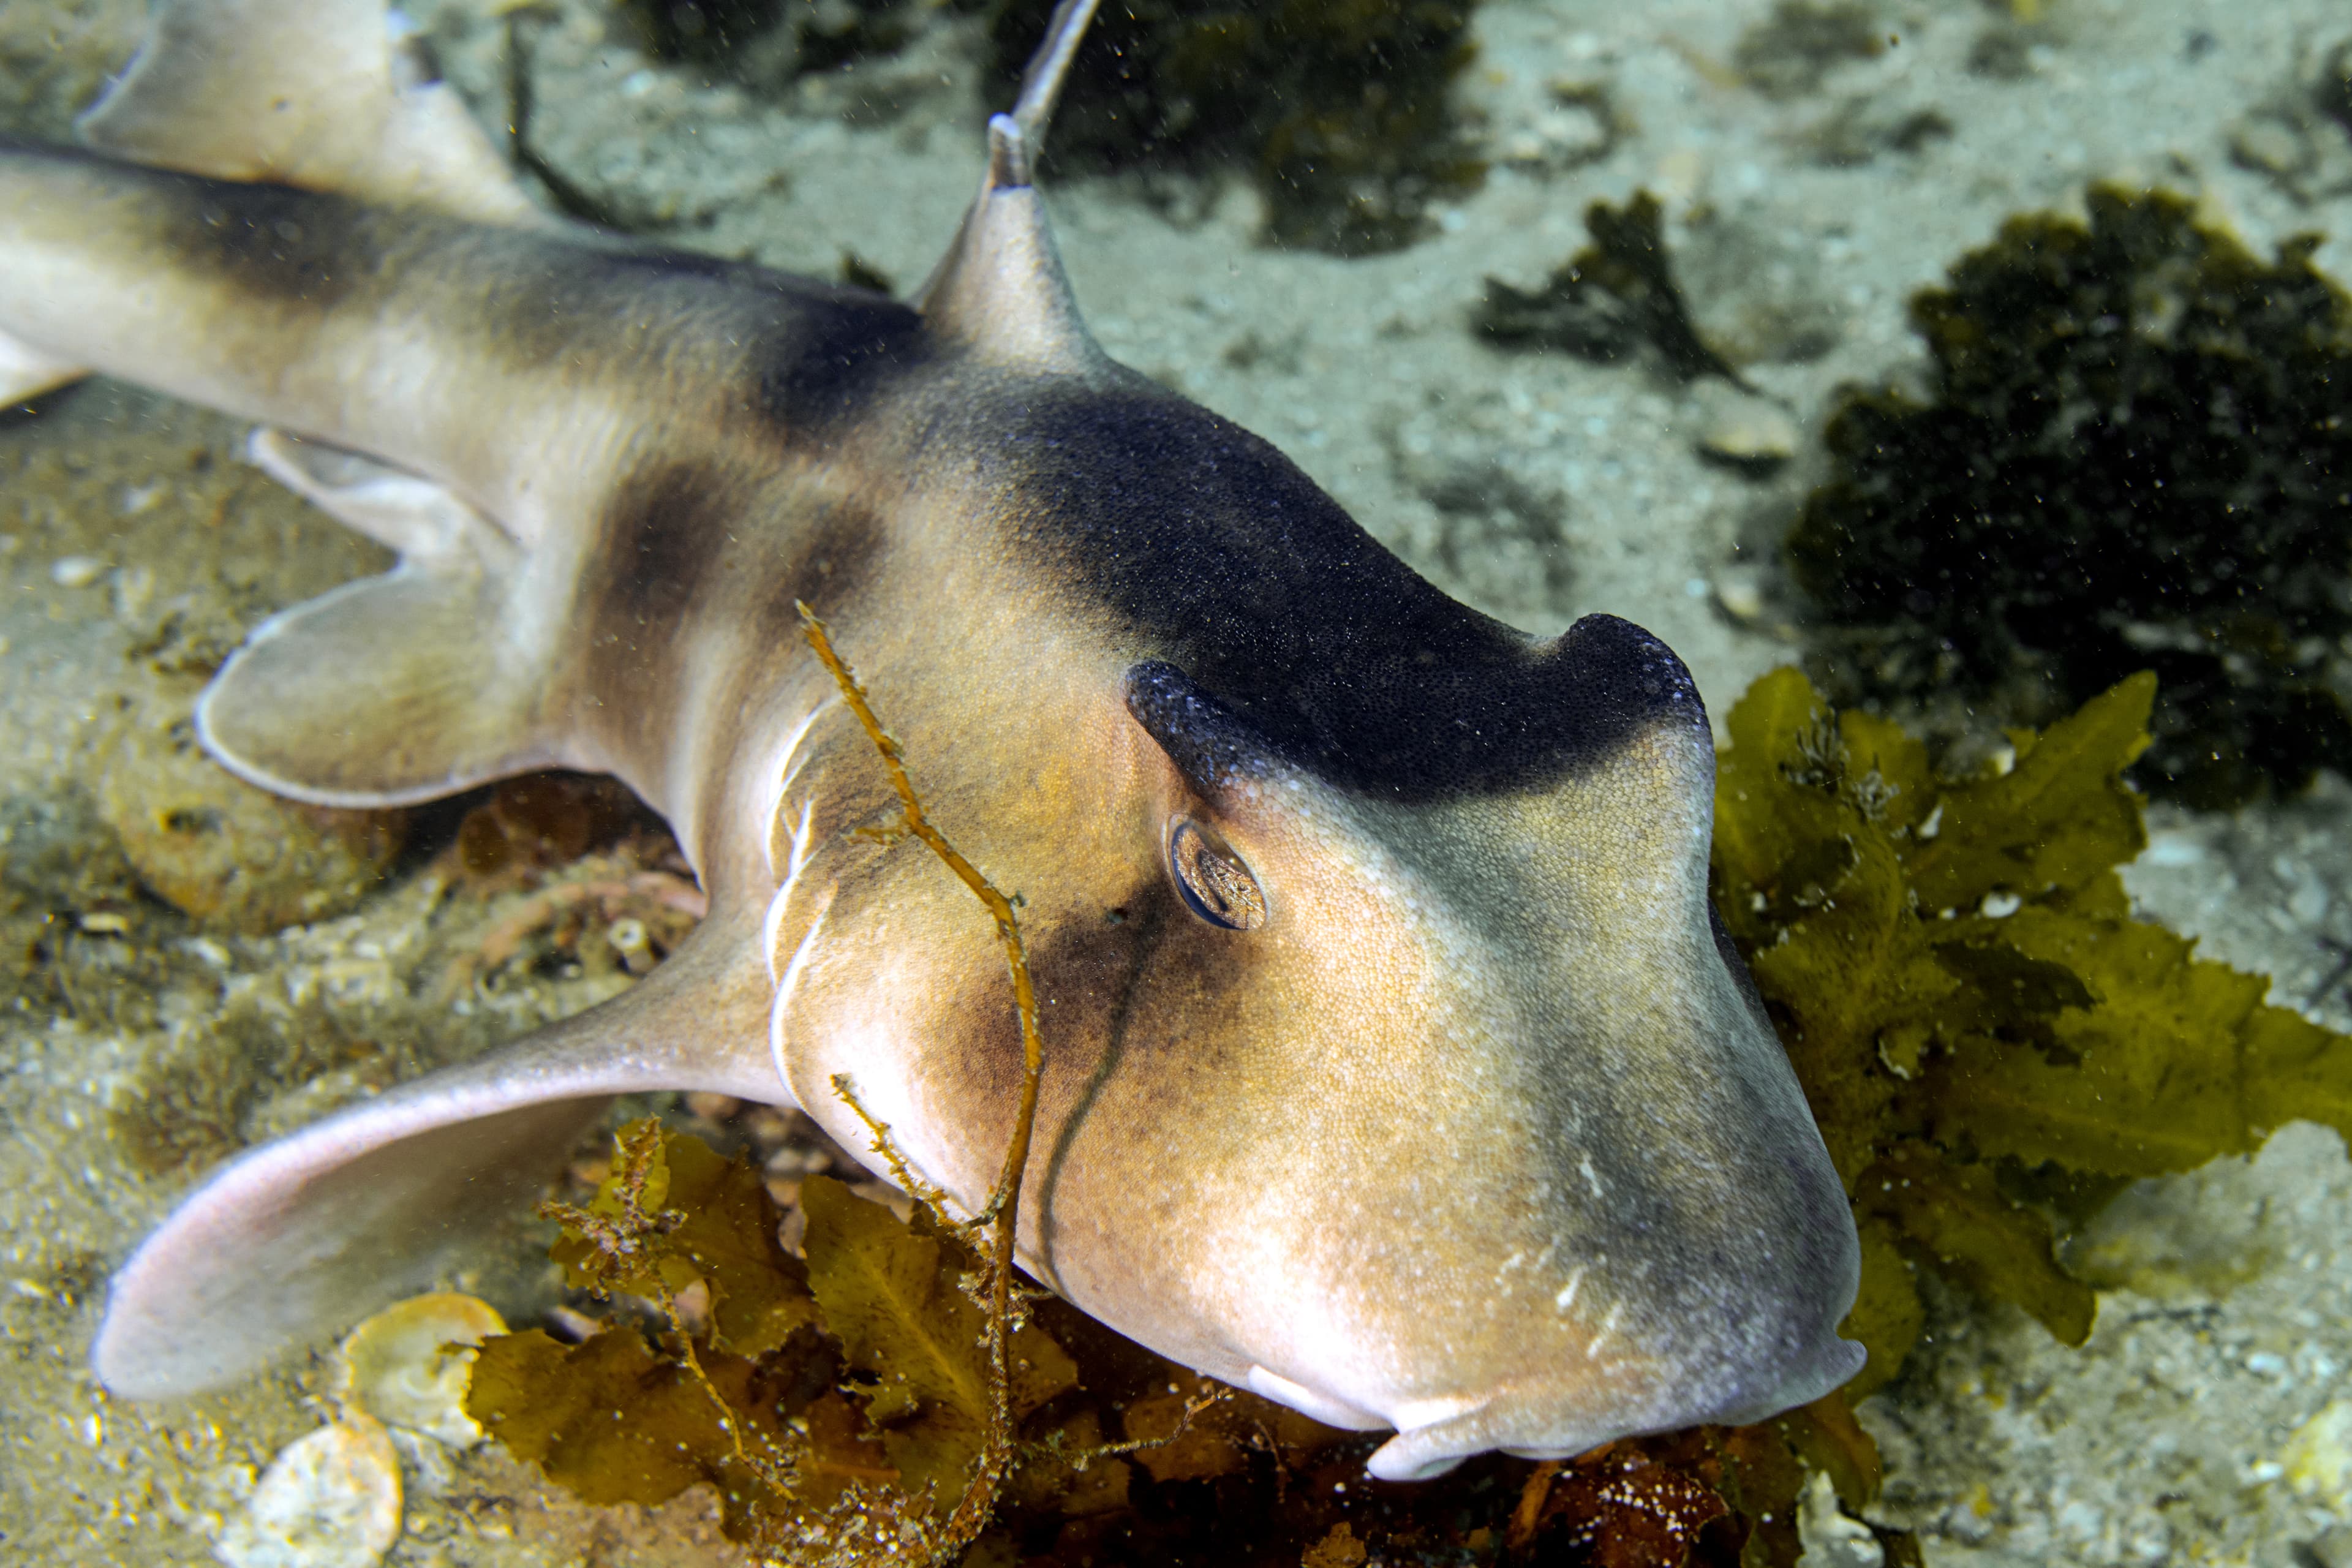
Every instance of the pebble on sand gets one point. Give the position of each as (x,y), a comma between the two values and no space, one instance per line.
(1748,433)
(328,1500)
(2318,1458)
(216,848)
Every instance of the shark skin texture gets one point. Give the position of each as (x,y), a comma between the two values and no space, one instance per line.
(1396,1066)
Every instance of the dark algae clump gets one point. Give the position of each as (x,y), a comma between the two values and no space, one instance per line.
(1610,301)
(1338,107)
(1990,1043)
(2137,455)
(1790,53)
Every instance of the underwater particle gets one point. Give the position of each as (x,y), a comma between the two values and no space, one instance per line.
(214,848)
(1789,53)
(2135,454)
(328,1500)
(1613,299)
(1337,110)
(407,1365)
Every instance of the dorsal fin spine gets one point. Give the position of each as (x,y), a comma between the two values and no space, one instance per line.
(1000,289)
(1041,84)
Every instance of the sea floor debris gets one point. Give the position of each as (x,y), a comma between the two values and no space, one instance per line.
(330,1500)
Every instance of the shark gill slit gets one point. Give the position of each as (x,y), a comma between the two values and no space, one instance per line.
(785,986)
(787,768)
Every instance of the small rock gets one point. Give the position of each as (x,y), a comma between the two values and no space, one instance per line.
(2268,147)
(216,848)
(133,587)
(1968,1520)
(1681,177)
(407,1366)
(2318,1458)
(708,1107)
(76,571)
(1748,433)
(328,1500)
(1578,127)
(1831,1538)
(1739,592)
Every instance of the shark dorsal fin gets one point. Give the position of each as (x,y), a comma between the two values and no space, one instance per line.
(325,94)
(1000,288)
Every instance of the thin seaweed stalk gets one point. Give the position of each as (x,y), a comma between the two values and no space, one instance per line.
(1001,1213)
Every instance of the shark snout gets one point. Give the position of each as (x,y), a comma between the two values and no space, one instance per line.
(1659,1250)
(1553,1417)
(1545,1341)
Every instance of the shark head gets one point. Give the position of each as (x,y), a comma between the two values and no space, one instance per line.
(1398,1068)
(1518,1160)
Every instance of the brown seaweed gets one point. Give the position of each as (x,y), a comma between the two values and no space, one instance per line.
(1977,1019)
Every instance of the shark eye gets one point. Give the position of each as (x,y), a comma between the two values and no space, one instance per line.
(1216,886)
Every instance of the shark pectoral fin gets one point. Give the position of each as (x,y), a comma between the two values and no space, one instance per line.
(395,689)
(387,691)
(300,1238)
(26,374)
(322,94)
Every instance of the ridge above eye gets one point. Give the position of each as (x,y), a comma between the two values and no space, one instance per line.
(1213,880)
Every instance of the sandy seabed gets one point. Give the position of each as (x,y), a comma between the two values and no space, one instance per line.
(134,546)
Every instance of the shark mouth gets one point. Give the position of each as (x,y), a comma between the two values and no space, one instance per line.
(1433,1436)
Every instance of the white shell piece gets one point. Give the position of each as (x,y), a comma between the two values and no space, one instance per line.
(398,1365)
(329,1500)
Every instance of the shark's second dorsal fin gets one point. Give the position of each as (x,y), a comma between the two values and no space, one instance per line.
(1000,290)
(317,93)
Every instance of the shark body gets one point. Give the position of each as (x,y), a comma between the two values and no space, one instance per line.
(1396,1066)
